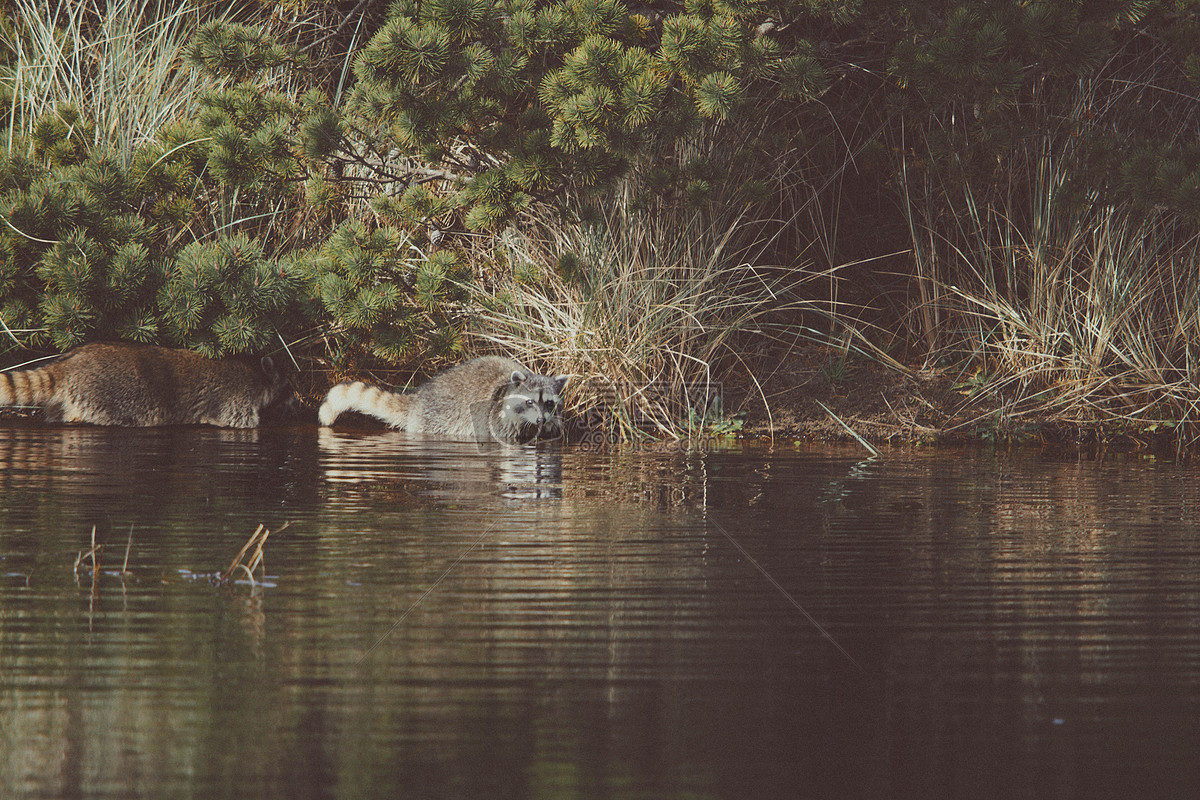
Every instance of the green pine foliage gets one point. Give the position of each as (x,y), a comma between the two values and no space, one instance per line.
(95,250)
(222,49)
(62,137)
(524,102)
(227,297)
(78,259)
(385,300)
(251,143)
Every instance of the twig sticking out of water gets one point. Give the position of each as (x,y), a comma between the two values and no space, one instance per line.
(128,545)
(849,430)
(96,551)
(255,542)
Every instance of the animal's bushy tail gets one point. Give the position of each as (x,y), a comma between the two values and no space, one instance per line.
(364,398)
(32,387)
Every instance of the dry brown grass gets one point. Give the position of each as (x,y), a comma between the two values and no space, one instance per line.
(648,309)
(1091,314)
(254,549)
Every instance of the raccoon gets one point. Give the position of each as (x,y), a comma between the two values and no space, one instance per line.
(143,386)
(486,398)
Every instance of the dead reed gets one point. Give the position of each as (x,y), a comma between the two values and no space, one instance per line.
(94,554)
(254,548)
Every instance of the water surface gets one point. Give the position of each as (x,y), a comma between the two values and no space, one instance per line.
(441,620)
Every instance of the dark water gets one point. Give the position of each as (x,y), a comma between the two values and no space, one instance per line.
(438,621)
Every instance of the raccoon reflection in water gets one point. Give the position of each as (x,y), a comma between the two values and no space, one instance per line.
(484,399)
(137,385)
(415,471)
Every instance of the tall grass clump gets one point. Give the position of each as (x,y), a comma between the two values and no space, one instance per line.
(117,64)
(1050,190)
(648,307)
(1083,312)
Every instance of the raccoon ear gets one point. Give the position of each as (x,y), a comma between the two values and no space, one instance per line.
(518,377)
(560,382)
(268,367)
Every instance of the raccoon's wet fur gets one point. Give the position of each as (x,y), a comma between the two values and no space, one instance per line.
(142,386)
(484,399)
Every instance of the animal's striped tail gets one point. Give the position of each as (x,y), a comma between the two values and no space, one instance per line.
(364,398)
(33,387)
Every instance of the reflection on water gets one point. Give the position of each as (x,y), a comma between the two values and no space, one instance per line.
(467,471)
(445,620)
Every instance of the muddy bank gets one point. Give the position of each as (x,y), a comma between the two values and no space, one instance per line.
(917,404)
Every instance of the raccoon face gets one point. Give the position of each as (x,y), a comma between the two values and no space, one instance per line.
(533,405)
